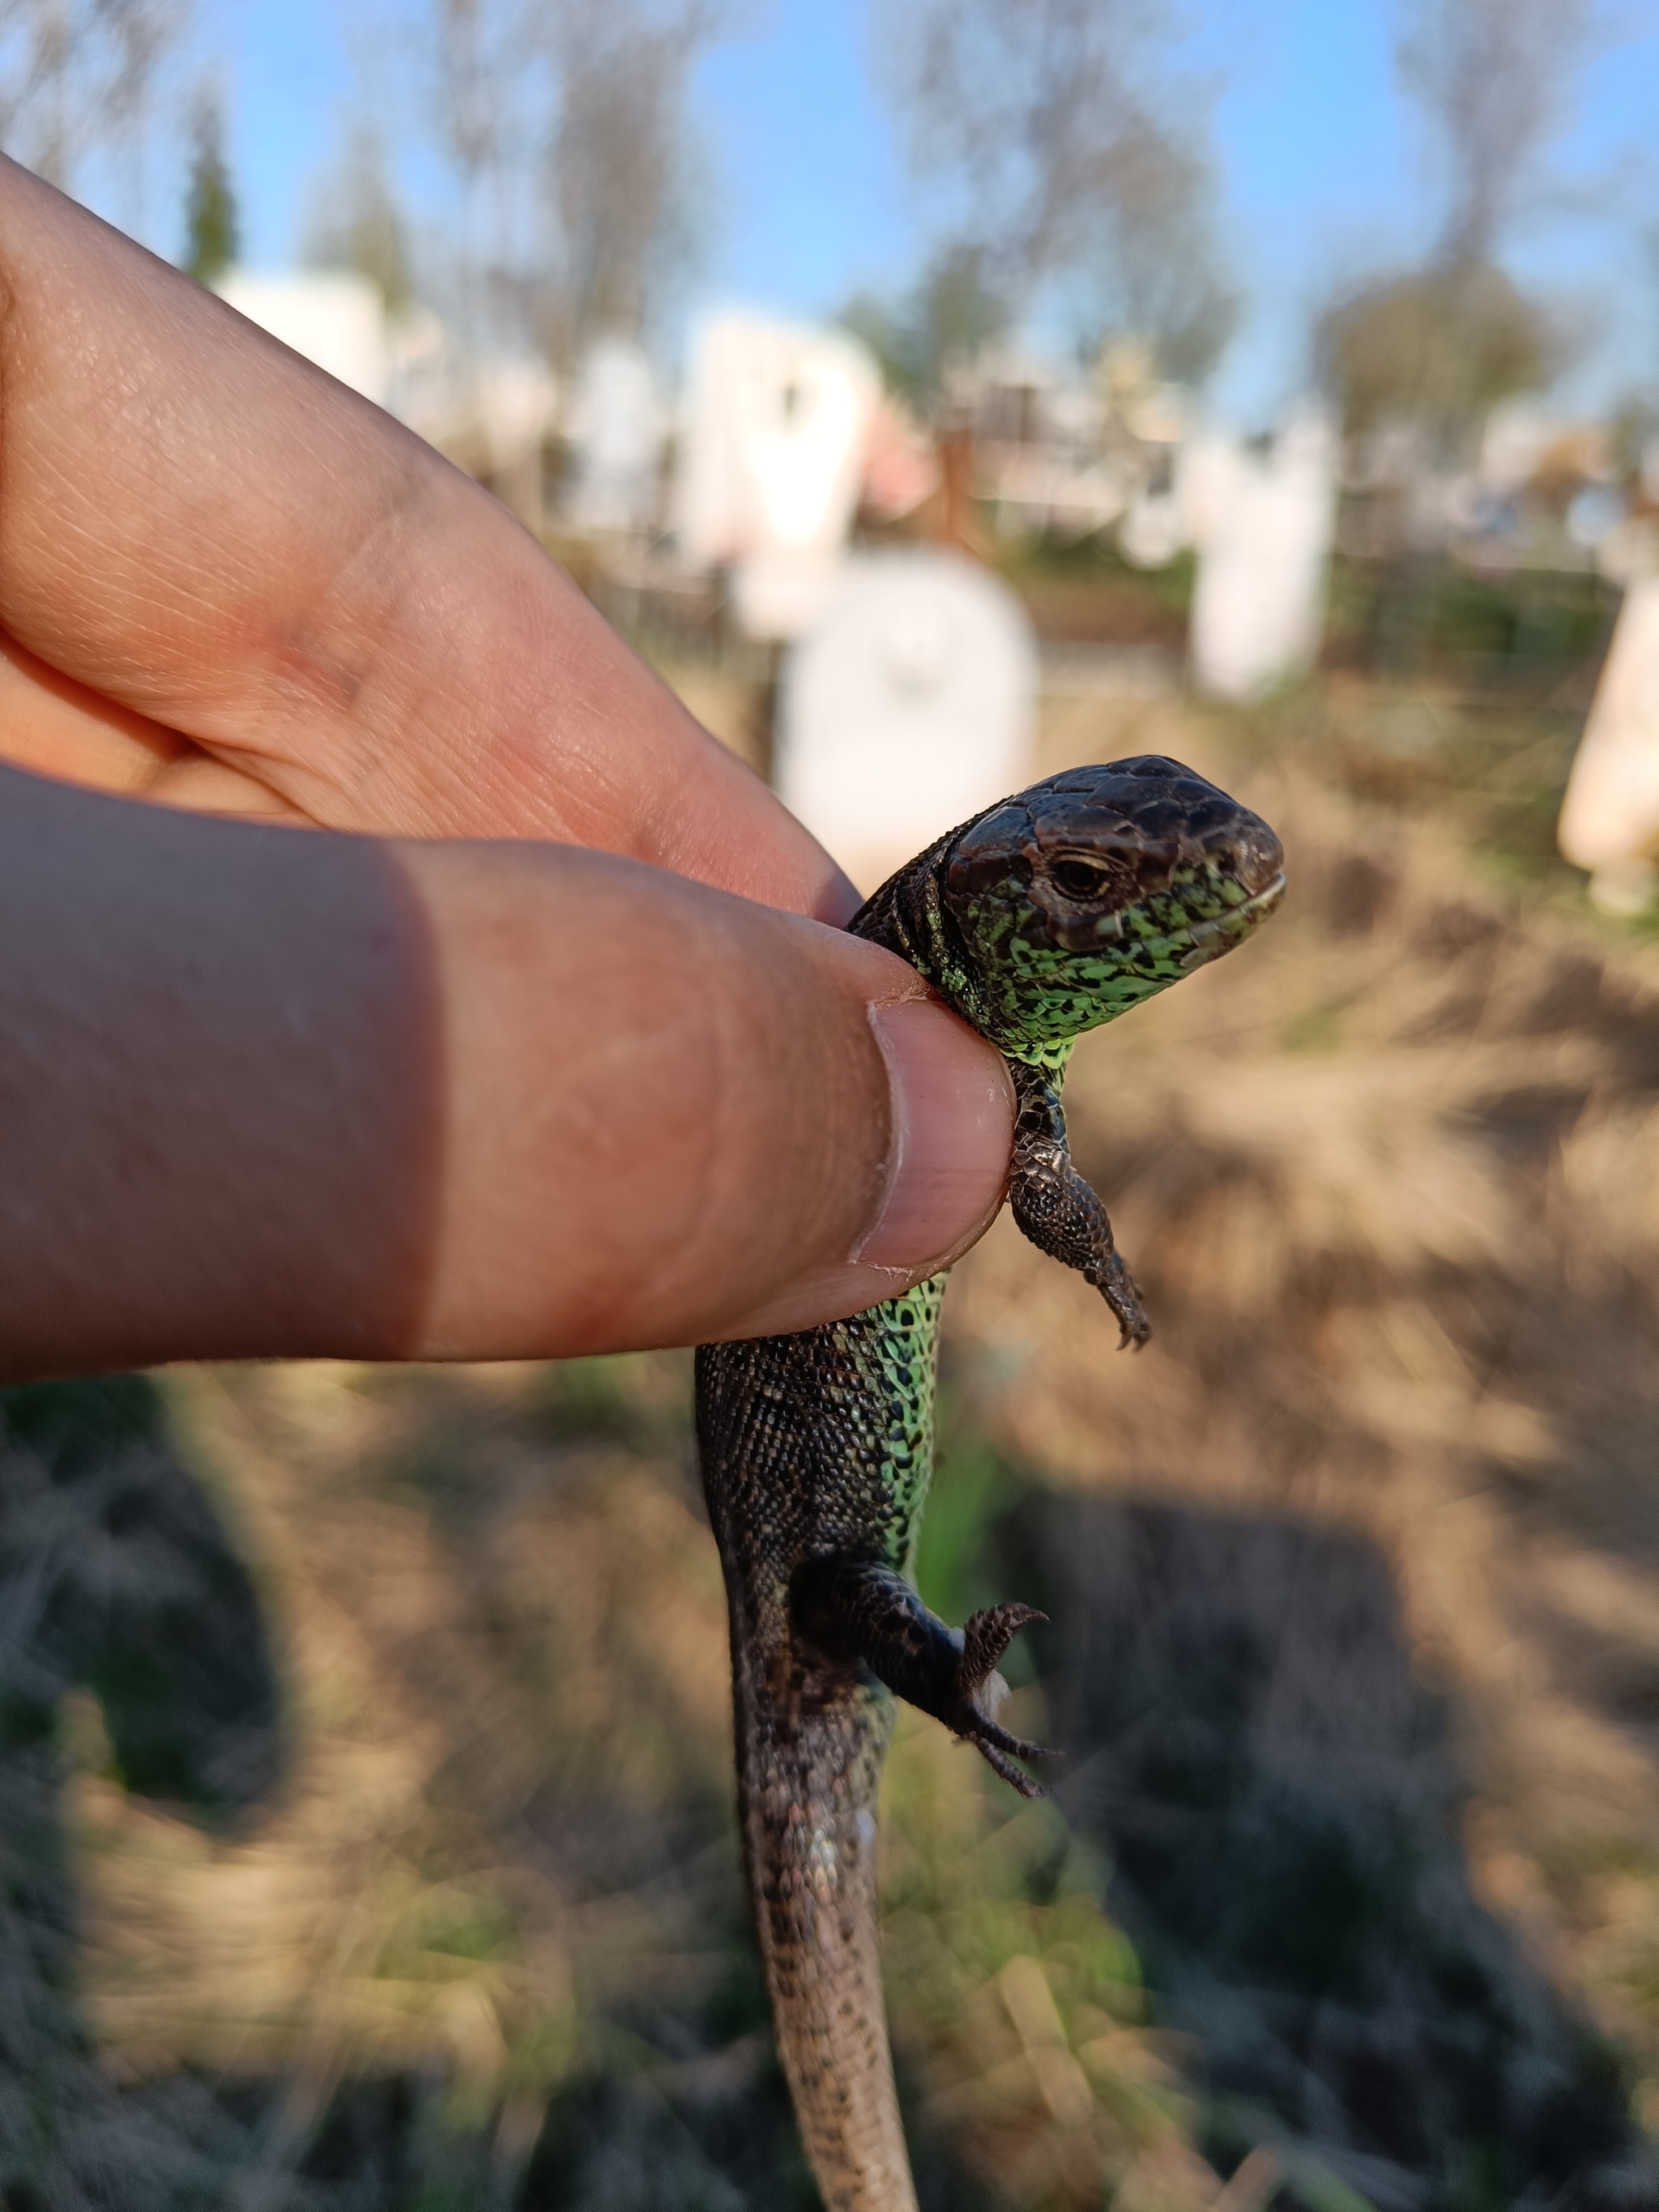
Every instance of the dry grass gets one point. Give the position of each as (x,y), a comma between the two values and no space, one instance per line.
(495,1873)
(1391,1180)
(458,1920)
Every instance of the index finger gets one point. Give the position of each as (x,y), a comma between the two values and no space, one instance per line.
(203,527)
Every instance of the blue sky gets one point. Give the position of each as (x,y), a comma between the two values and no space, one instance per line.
(1320,165)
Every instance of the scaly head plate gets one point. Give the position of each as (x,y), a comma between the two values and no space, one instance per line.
(1096,889)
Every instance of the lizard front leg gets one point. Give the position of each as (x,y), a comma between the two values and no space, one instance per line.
(1058,1210)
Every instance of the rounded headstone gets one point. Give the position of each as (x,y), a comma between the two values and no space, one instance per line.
(908,707)
(1263,526)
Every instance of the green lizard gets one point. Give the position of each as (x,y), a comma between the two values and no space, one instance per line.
(1046,915)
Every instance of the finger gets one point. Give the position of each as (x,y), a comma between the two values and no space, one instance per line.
(675,1115)
(216,1037)
(267,1095)
(60,729)
(203,527)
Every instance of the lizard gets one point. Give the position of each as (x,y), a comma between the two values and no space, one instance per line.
(1044,916)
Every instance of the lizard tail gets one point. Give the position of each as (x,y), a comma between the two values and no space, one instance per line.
(808,1779)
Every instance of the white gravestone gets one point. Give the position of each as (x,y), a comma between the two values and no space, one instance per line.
(1154,529)
(1263,526)
(489,413)
(1610,816)
(517,400)
(771,462)
(909,706)
(336,319)
(616,432)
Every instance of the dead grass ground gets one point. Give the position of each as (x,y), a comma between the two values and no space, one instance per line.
(468,1930)
(1391,1189)
(429,1896)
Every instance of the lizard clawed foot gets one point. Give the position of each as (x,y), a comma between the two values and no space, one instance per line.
(857,1610)
(980,1691)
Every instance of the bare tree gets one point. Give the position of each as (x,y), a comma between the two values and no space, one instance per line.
(1490,76)
(567,130)
(39,44)
(79,77)
(356,223)
(479,52)
(1046,121)
(1439,346)
(139,36)
(1153,270)
(619,159)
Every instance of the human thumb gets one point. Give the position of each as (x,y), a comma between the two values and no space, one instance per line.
(672,1116)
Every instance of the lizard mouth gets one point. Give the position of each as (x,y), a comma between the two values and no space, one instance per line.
(1208,940)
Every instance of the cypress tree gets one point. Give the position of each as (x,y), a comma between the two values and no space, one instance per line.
(210,225)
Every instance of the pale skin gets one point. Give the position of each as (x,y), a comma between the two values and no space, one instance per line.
(552,1053)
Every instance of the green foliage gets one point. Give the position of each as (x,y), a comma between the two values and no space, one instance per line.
(949,317)
(1426,621)
(972,1486)
(1108,588)
(188,1699)
(212,232)
(1438,348)
(1017,1999)
(78,1426)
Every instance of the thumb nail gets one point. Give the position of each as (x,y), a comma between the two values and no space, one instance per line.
(953,1129)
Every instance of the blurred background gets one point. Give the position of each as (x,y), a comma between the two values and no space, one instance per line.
(939,394)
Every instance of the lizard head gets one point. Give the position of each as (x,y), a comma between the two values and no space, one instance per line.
(1096,889)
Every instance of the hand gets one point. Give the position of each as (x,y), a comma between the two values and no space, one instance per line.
(435,1096)
(228,583)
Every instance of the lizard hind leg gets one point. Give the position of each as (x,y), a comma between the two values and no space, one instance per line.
(856,1610)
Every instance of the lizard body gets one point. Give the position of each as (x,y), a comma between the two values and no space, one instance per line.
(1054,912)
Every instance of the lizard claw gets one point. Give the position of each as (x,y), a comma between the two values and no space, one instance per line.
(980,1691)
(1011,1773)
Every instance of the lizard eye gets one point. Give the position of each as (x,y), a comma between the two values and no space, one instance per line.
(1079,879)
